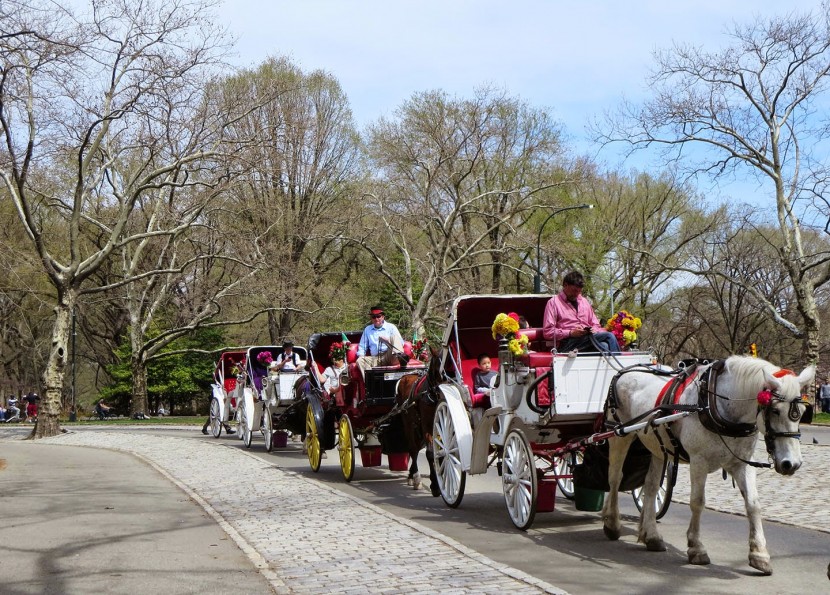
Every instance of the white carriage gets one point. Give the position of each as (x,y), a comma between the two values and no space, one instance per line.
(266,397)
(223,405)
(542,403)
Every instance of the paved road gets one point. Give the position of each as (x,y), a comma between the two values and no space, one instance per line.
(323,523)
(303,536)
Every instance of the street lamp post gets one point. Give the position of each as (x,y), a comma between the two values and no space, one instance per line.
(537,278)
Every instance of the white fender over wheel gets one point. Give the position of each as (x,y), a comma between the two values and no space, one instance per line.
(519,479)
(449,456)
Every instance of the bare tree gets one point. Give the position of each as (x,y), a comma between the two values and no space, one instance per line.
(299,151)
(99,113)
(749,109)
(455,179)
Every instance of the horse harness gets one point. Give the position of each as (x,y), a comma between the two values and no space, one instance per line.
(707,407)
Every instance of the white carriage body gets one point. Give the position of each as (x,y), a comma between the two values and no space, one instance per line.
(578,386)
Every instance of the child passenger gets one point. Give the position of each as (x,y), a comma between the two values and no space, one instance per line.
(482,381)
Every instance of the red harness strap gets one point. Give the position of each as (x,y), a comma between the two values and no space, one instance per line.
(676,386)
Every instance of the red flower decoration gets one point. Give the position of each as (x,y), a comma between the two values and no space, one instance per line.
(514,316)
(764,397)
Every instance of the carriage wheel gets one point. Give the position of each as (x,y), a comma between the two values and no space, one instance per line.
(267,429)
(564,465)
(345,444)
(238,417)
(312,440)
(519,479)
(451,476)
(663,498)
(215,418)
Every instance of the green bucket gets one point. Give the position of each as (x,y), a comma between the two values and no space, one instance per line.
(589,500)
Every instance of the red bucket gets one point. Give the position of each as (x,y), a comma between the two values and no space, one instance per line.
(398,461)
(370,456)
(546,500)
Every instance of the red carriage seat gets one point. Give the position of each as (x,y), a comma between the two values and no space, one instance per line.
(469,369)
(230,384)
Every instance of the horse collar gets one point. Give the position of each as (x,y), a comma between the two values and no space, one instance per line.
(710,415)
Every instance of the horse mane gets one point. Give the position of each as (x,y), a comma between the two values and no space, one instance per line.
(749,371)
(434,368)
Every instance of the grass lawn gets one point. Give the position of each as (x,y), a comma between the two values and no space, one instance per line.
(821,418)
(175,420)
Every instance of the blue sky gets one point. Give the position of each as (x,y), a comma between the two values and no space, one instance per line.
(576,58)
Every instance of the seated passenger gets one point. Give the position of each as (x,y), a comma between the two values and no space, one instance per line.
(288,361)
(374,347)
(330,377)
(483,381)
(571,323)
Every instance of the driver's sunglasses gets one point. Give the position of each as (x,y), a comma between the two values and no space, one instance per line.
(376,315)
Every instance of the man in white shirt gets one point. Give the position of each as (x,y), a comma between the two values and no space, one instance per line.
(288,361)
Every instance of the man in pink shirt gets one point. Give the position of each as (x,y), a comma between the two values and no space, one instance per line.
(571,323)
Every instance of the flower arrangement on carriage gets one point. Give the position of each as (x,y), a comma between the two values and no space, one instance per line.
(506,327)
(264,358)
(420,350)
(338,350)
(624,326)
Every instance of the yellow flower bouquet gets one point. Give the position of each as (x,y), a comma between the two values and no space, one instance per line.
(506,326)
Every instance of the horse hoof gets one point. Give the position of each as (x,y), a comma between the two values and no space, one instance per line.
(612,534)
(435,490)
(761,563)
(409,481)
(416,485)
(655,544)
(699,559)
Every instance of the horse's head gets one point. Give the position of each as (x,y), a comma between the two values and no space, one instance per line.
(782,407)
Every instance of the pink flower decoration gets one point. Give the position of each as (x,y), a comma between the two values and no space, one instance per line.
(764,397)
(514,316)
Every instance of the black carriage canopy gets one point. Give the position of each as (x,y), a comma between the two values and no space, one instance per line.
(319,344)
(474,316)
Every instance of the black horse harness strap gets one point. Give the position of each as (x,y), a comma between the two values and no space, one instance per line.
(710,415)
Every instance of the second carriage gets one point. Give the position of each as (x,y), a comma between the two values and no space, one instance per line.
(363,417)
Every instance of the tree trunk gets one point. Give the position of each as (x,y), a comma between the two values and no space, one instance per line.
(138,404)
(48,418)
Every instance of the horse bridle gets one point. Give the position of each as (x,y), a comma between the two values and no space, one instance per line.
(707,386)
(794,414)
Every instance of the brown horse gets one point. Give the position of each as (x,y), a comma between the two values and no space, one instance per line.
(418,394)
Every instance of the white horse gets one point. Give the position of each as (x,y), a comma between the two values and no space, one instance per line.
(746,395)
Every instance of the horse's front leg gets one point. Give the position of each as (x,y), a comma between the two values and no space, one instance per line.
(744,477)
(697,500)
(649,534)
(617,449)
(414,477)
